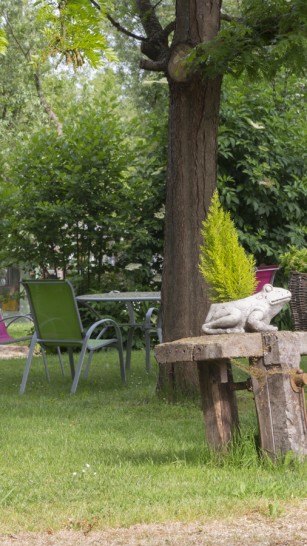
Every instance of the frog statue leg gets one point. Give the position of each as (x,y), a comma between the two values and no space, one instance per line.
(223,322)
(258,322)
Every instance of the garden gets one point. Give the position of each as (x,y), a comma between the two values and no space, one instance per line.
(107,176)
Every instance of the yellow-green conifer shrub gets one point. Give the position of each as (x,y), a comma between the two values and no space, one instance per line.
(224,264)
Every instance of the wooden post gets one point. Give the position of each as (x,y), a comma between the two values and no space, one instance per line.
(279,396)
(219,402)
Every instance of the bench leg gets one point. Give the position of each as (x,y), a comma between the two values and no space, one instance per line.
(219,402)
(279,398)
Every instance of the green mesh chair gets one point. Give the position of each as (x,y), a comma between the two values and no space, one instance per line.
(57,323)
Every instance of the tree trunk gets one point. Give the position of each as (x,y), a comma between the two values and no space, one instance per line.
(192,165)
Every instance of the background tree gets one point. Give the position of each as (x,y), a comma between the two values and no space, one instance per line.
(68,190)
(23,92)
(85,201)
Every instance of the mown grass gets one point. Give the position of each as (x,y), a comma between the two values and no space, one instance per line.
(115,455)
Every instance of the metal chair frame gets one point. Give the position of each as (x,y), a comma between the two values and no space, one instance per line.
(57,323)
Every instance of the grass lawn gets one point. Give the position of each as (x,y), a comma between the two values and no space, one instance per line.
(115,455)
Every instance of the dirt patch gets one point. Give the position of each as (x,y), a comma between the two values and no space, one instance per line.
(13,351)
(290,529)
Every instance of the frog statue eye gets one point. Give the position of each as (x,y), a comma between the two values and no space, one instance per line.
(268,288)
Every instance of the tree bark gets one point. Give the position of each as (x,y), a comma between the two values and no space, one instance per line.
(192,165)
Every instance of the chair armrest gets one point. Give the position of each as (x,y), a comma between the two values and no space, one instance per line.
(10,320)
(149,316)
(107,323)
(158,325)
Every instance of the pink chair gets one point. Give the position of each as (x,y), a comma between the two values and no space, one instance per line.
(5,338)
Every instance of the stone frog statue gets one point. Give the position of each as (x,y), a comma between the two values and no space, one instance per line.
(252,314)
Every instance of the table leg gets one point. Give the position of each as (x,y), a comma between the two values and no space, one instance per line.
(132,326)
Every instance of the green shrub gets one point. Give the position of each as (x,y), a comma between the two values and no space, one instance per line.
(224,264)
(294,260)
(262,163)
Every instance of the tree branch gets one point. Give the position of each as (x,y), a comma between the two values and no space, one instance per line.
(169,29)
(153,66)
(95,4)
(156,48)
(38,84)
(155,43)
(44,104)
(149,19)
(157,4)
(118,25)
(23,51)
(124,30)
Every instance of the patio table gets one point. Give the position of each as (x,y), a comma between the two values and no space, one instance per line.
(129,299)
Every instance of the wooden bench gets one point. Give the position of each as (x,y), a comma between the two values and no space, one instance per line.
(276,380)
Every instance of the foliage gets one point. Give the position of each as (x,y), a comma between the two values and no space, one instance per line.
(20,108)
(73,31)
(63,206)
(294,260)
(262,159)
(28,144)
(142,245)
(67,192)
(3,42)
(261,39)
(224,264)
(261,170)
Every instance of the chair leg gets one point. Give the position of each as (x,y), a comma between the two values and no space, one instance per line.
(28,364)
(61,360)
(89,360)
(71,361)
(78,370)
(121,363)
(45,364)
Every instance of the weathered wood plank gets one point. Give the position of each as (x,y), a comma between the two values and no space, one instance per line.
(262,403)
(179,351)
(219,402)
(234,346)
(209,347)
(281,409)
